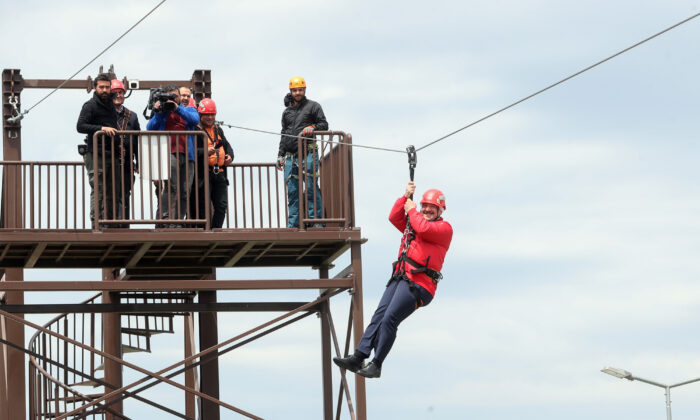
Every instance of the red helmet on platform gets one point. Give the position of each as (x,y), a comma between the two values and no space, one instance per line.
(207,106)
(116,84)
(435,197)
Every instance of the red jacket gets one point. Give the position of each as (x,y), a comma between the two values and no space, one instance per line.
(432,240)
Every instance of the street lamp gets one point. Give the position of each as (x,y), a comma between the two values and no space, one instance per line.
(623,374)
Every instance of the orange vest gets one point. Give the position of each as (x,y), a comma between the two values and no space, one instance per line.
(219,156)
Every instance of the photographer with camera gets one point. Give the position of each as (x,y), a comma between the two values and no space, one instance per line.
(99,114)
(170,115)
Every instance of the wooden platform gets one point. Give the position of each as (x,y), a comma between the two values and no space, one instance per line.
(145,253)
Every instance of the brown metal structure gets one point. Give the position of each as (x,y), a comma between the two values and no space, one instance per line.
(156,270)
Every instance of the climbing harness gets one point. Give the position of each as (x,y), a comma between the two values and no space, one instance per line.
(408,236)
(219,160)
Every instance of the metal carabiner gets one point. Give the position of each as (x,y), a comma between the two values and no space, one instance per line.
(14,101)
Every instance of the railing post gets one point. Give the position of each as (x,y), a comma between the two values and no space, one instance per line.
(207,192)
(95,184)
(300,174)
(350,198)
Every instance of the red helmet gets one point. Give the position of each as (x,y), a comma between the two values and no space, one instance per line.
(207,106)
(435,197)
(116,84)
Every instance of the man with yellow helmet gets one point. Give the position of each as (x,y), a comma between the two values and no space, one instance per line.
(301,116)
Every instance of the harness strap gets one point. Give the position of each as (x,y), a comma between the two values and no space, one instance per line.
(436,276)
(217,146)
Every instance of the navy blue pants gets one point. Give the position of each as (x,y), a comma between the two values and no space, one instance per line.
(396,304)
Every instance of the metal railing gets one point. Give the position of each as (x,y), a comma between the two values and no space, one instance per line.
(128,192)
(325,183)
(57,367)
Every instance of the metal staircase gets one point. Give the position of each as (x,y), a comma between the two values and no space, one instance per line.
(61,370)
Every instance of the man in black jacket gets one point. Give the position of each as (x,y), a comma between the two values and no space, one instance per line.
(99,114)
(302,116)
(128,150)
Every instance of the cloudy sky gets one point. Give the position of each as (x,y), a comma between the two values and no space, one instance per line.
(575,213)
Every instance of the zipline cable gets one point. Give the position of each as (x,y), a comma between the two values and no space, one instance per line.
(310,138)
(97,56)
(560,82)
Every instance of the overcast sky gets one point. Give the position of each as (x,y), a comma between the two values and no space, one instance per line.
(575,213)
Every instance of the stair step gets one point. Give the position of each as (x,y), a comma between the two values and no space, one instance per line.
(176,296)
(140,332)
(130,349)
(88,382)
(77,398)
(52,414)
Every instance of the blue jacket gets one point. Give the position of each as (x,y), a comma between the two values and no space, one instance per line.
(191,117)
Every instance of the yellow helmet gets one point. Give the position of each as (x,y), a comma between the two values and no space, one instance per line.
(297,82)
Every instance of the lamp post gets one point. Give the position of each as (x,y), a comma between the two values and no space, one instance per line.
(623,374)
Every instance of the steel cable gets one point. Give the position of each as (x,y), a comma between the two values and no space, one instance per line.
(559,82)
(96,57)
(311,138)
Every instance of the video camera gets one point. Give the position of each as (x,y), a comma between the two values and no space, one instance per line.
(159,95)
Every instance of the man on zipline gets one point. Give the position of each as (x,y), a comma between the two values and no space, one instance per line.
(415,275)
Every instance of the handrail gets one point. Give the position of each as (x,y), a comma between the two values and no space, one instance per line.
(55,195)
(41,395)
(111,203)
(3,294)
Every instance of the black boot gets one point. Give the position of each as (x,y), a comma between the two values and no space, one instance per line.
(352,363)
(372,370)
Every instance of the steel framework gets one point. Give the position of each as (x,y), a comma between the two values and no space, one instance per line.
(152,275)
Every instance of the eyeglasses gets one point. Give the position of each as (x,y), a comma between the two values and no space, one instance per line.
(119,93)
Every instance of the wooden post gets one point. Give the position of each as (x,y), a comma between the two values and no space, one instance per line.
(209,370)
(4,405)
(358,326)
(12,84)
(326,368)
(190,405)
(111,328)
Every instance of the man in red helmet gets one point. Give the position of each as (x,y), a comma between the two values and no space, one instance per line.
(220,155)
(127,148)
(415,275)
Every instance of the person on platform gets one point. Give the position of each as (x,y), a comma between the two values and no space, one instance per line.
(99,114)
(301,116)
(173,116)
(127,147)
(220,155)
